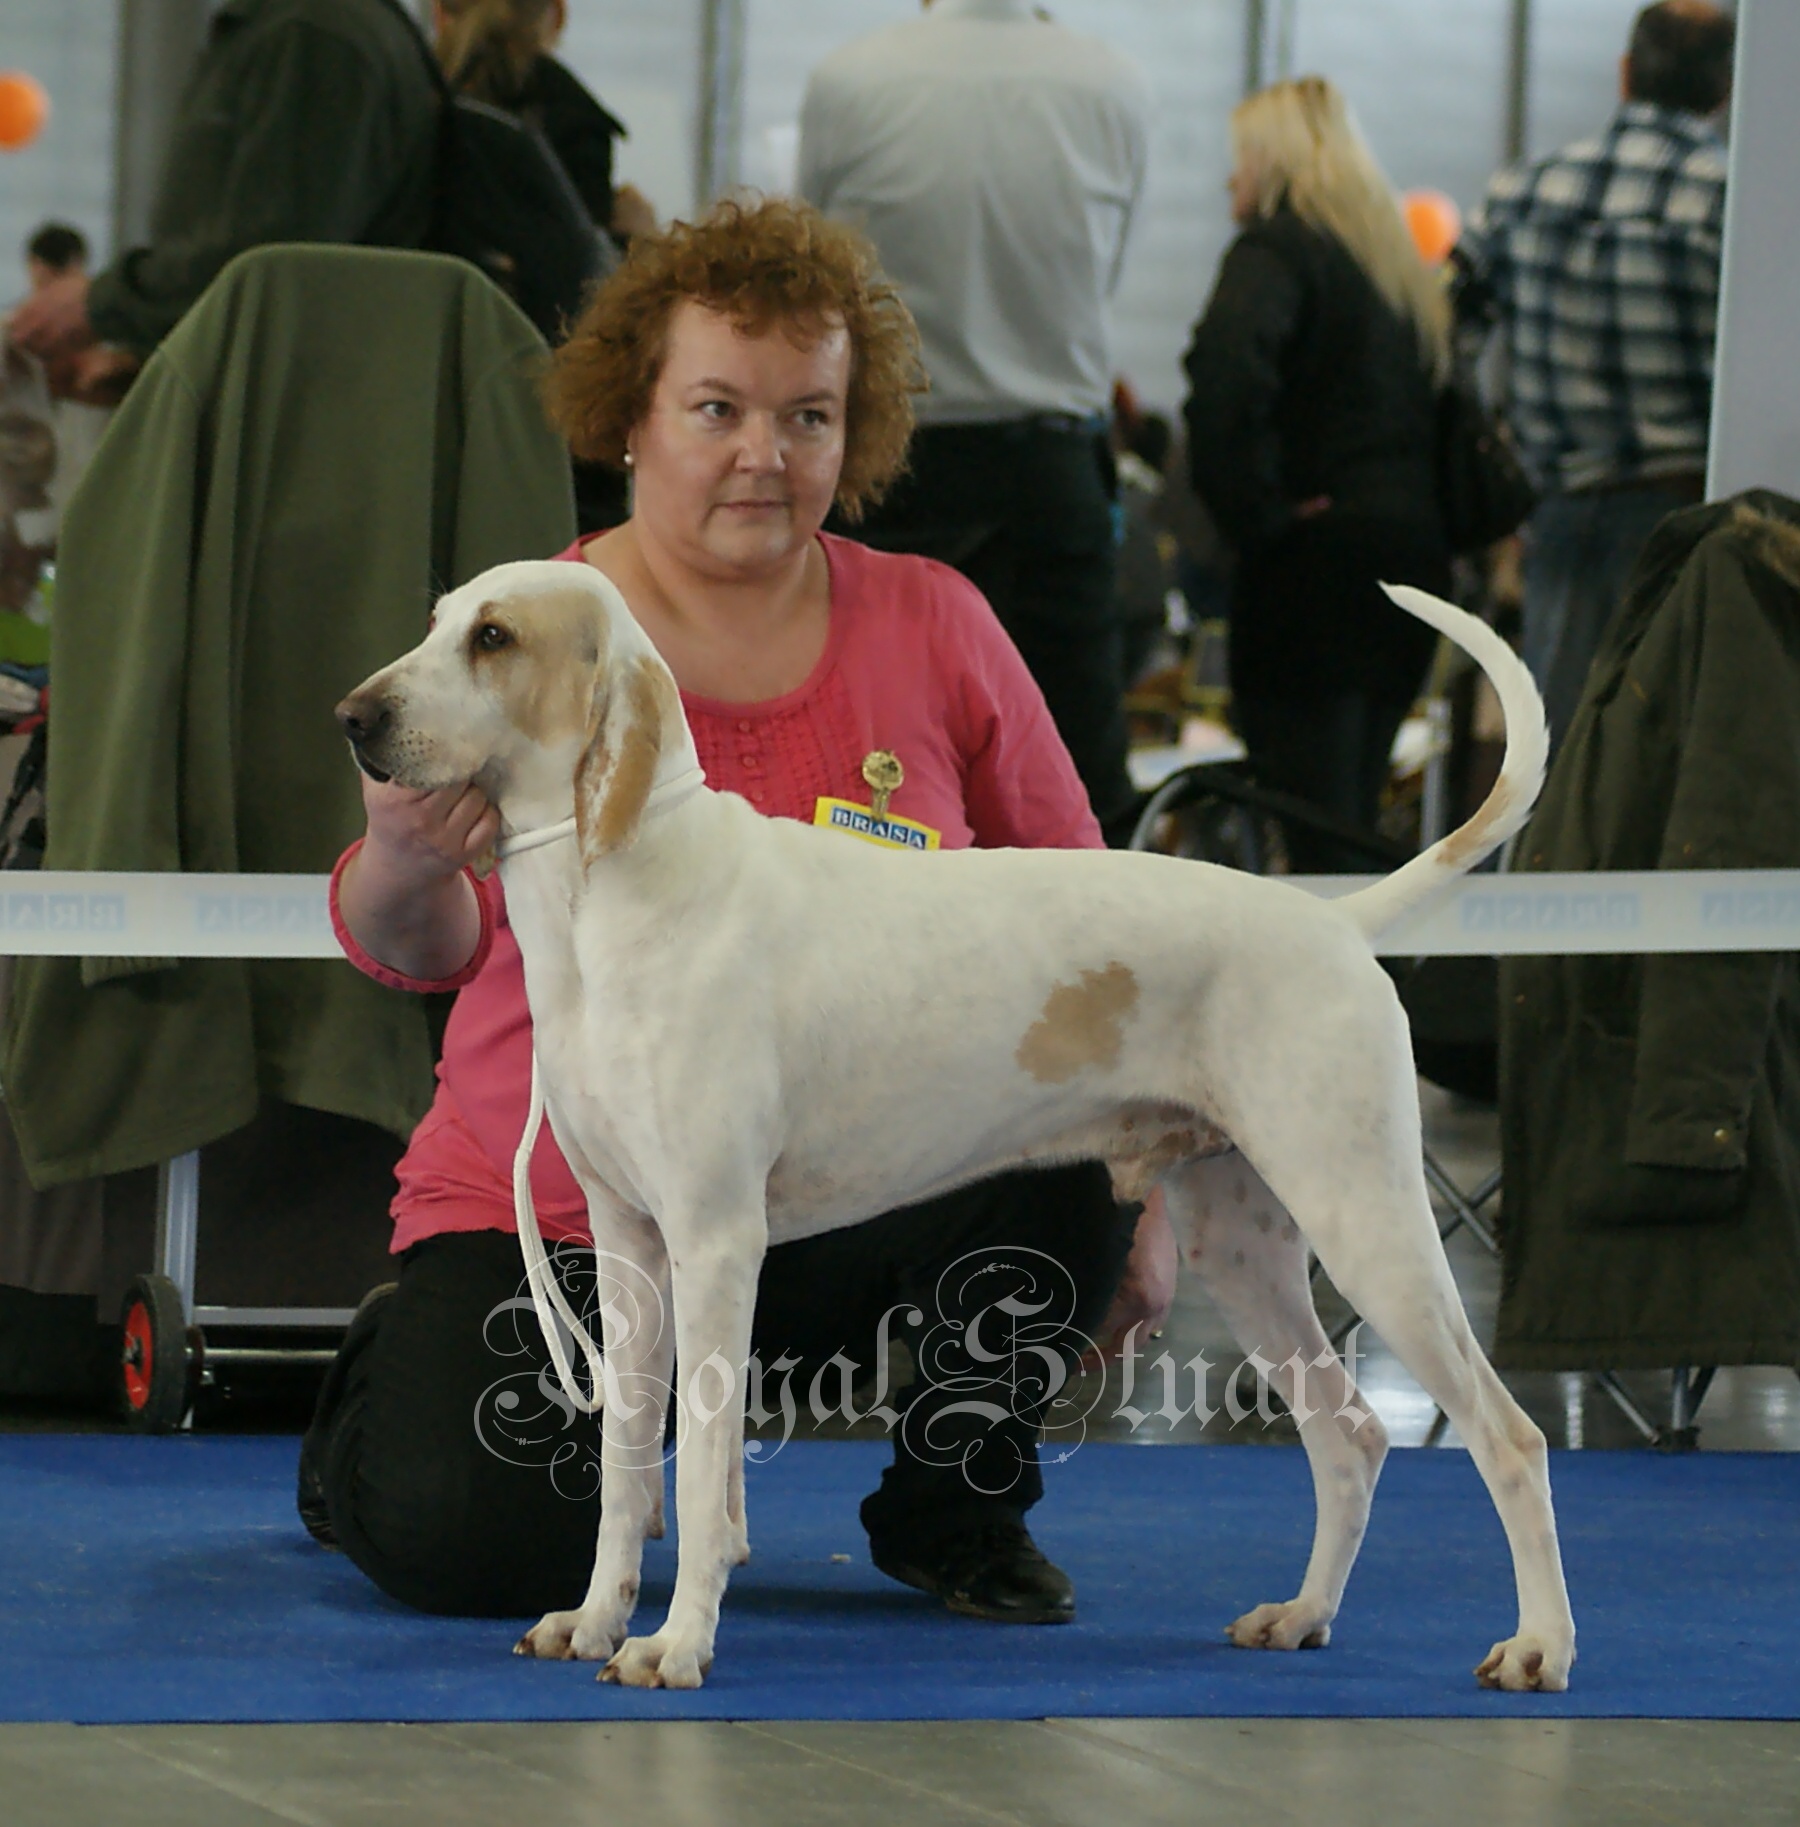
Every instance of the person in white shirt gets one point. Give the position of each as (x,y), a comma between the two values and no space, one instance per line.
(996,158)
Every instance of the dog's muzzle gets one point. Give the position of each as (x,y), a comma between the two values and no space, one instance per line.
(365,721)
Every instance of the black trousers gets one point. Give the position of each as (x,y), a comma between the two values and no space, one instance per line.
(1025,511)
(1324,669)
(461,1481)
(1331,749)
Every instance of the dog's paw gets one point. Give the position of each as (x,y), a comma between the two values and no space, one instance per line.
(1526,1665)
(1292,1625)
(658,1661)
(566,1636)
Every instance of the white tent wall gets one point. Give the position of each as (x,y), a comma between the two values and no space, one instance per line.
(1193,56)
(643,59)
(1756,402)
(1427,83)
(1434,85)
(66,174)
(1574,68)
(783,40)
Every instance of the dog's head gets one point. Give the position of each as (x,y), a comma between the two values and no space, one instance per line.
(534,682)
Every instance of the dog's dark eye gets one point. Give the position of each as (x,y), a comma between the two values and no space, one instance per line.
(490,637)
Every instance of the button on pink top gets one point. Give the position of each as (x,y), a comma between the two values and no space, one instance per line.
(915,663)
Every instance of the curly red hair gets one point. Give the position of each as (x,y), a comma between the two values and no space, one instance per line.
(761,262)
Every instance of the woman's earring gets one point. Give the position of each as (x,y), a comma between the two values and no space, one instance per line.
(629,459)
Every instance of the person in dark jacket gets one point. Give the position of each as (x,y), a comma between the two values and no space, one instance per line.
(1311,428)
(498,51)
(304,120)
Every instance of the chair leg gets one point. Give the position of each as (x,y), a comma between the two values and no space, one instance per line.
(1685,1397)
(1623,1401)
(1465,1208)
(1687,1390)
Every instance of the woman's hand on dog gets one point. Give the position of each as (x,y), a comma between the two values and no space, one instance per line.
(403,895)
(430,835)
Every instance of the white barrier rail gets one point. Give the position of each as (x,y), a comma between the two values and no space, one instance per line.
(74,914)
(83,913)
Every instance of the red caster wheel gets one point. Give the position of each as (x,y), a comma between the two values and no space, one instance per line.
(160,1356)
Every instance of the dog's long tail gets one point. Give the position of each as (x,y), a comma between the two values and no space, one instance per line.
(1509,804)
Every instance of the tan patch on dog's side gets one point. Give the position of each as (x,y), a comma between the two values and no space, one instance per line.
(1082,1025)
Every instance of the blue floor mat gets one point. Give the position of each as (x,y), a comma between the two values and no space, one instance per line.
(169,1580)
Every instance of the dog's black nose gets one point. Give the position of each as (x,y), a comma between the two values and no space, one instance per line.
(363,719)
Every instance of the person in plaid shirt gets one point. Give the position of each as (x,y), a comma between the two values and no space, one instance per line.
(1600,266)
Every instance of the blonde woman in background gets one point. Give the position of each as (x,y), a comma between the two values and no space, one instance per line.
(1314,376)
(499,51)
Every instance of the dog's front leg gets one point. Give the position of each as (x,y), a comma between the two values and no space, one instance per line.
(638,1339)
(715,1300)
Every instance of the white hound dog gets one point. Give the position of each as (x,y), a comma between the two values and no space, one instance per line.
(751,1030)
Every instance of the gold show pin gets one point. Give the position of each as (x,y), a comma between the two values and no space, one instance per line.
(882,774)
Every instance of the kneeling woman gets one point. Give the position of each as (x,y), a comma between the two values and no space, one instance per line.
(749,371)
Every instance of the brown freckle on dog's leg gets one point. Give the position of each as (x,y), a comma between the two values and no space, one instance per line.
(1264,1223)
(1237,1256)
(1239,1192)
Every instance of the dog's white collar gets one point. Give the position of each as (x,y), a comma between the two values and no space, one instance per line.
(664,797)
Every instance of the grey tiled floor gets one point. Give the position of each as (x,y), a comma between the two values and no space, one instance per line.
(1066,1772)
(1114,1773)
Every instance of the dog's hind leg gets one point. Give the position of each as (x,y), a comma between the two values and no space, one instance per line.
(1252,1259)
(1377,1239)
(631,1289)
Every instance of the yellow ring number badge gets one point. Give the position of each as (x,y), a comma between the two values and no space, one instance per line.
(874,823)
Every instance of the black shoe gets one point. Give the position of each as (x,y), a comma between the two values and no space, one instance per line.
(994,1570)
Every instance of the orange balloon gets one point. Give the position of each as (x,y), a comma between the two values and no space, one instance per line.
(24,107)
(1435,222)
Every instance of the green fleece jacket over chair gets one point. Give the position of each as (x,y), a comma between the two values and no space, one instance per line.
(1650,1105)
(328,440)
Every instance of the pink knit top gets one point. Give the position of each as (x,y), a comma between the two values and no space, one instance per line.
(914,663)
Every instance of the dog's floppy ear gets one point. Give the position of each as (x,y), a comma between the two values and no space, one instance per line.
(613,778)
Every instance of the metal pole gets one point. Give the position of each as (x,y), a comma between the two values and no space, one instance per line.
(1256,34)
(721,96)
(178,1223)
(1755,441)
(1518,82)
(1287,26)
(158,41)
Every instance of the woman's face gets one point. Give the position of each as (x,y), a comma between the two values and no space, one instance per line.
(736,463)
(1243,184)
